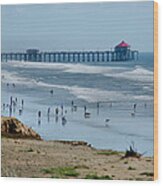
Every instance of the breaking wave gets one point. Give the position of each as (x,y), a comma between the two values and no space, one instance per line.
(136,73)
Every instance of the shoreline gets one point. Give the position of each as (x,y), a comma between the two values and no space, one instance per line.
(68,160)
(73,142)
(77,127)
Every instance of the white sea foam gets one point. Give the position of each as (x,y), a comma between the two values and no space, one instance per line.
(148,88)
(37,65)
(68,67)
(88,94)
(143,97)
(137,73)
(13,77)
(91,94)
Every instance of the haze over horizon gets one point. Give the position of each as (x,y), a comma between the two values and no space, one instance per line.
(77,26)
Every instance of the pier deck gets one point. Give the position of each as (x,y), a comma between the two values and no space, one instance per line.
(77,56)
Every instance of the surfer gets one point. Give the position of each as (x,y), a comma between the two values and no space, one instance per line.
(72,103)
(39,117)
(51,92)
(48,112)
(10,110)
(11,101)
(4,106)
(20,112)
(39,114)
(14,105)
(85,109)
(22,103)
(98,106)
(61,109)
(64,121)
(135,107)
(56,111)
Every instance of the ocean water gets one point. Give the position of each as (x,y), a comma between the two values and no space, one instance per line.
(116,86)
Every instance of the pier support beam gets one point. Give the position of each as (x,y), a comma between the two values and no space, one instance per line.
(84,56)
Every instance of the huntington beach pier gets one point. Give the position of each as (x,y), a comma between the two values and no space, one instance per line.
(121,52)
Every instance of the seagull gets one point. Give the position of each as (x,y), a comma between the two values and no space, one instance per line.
(106,122)
(87,114)
(133,114)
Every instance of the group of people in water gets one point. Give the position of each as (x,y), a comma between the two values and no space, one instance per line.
(13,85)
(13,104)
(58,112)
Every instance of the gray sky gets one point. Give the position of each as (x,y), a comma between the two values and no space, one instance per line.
(80,26)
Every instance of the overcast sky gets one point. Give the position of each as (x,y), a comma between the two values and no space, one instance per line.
(81,26)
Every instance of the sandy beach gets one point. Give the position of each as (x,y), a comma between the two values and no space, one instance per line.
(69,159)
(78,91)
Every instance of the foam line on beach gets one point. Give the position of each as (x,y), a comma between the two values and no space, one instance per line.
(68,67)
(87,94)
(13,77)
(84,93)
(137,73)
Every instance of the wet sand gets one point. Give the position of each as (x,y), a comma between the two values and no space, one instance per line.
(61,159)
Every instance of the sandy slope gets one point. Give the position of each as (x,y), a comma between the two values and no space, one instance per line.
(33,158)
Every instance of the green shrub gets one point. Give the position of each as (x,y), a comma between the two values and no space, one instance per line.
(61,171)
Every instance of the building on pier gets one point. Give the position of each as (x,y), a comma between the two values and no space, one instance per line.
(122,52)
(32,54)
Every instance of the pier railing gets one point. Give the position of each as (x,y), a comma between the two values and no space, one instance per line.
(77,56)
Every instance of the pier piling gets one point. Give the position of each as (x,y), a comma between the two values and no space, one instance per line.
(122,52)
